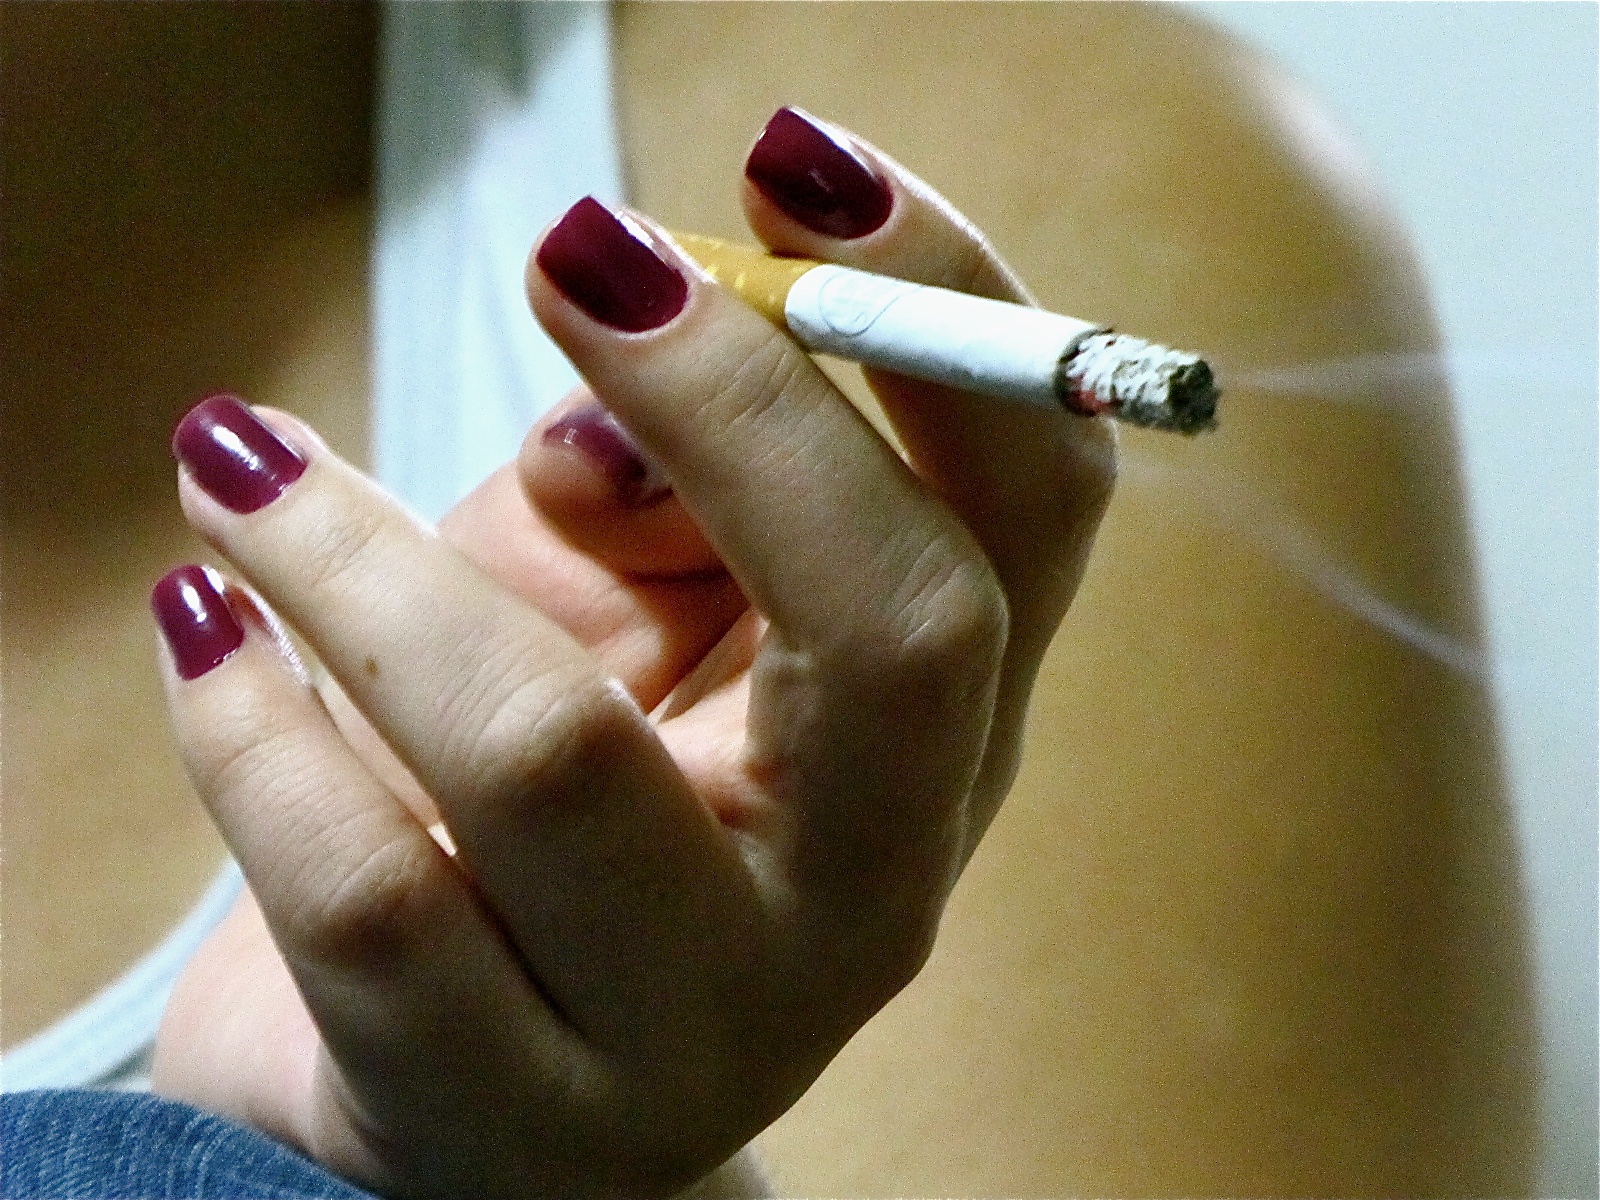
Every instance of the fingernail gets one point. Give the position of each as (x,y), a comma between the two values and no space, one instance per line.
(599,436)
(816,176)
(195,619)
(232,454)
(610,269)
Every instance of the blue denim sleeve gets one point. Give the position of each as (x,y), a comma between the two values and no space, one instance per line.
(96,1145)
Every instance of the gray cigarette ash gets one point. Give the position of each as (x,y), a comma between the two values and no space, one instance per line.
(1140,383)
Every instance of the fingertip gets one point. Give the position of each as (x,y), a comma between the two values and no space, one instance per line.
(240,461)
(920,237)
(205,619)
(616,268)
(602,451)
(198,626)
(586,475)
(812,174)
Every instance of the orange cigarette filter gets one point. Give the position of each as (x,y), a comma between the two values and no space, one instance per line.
(760,279)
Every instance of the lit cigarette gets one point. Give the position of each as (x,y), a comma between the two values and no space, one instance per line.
(988,346)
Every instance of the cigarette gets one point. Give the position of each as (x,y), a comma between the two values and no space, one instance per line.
(1009,351)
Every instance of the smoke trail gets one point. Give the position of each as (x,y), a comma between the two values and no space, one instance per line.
(1360,378)
(1236,506)
(1363,378)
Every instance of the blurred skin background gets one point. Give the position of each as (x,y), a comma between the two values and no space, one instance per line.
(1481,122)
(1253,920)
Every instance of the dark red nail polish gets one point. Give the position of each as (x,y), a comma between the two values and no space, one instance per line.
(610,271)
(816,176)
(194,617)
(596,434)
(239,461)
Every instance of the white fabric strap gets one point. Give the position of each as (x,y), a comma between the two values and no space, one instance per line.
(493,119)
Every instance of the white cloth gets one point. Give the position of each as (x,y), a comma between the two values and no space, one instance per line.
(492,119)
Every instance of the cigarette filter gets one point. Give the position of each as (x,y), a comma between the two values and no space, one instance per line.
(1010,351)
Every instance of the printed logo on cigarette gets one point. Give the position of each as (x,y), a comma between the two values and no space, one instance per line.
(850,303)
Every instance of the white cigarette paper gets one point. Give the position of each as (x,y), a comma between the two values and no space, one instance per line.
(977,345)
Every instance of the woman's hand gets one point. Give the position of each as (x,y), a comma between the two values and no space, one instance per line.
(657,929)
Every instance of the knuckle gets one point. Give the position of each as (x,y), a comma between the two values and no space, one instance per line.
(342,891)
(241,745)
(332,555)
(765,373)
(565,722)
(952,626)
(353,907)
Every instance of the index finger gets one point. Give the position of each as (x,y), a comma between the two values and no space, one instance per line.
(828,533)
(871,697)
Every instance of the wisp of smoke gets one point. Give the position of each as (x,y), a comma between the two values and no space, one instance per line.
(1363,378)
(1367,380)
(1242,509)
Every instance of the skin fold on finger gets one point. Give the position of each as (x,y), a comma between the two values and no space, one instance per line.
(1031,484)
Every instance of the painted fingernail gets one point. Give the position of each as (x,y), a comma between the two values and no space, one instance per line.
(195,619)
(595,433)
(816,176)
(609,268)
(232,454)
